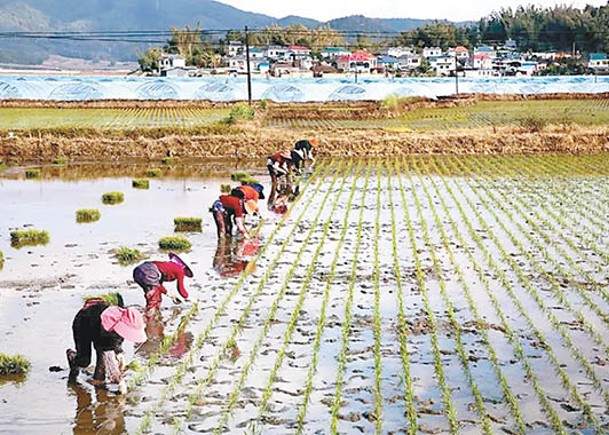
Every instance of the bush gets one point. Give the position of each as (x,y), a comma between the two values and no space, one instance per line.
(112,299)
(240,112)
(113,198)
(86,215)
(20,238)
(13,365)
(140,183)
(188,224)
(127,256)
(32,173)
(174,243)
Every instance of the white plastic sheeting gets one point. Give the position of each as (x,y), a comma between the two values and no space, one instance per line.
(291,89)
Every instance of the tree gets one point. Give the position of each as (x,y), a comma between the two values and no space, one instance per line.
(149,60)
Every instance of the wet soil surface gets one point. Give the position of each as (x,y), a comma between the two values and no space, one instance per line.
(491,315)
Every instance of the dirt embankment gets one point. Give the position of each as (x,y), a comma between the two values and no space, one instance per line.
(254,142)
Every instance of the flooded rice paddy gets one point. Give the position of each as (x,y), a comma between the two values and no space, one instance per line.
(431,295)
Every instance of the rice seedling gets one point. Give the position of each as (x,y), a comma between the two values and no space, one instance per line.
(1,260)
(140,183)
(33,173)
(198,343)
(126,256)
(111,198)
(112,299)
(225,188)
(13,365)
(20,238)
(174,243)
(321,323)
(61,160)
(168,161)
(190,224)
(240,176)
(342,357)
(153,173)
(87,215)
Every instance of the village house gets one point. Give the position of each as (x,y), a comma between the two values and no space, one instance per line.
(482,62)
(409,62)
(598,62)
(332,53)
(235,48)
(460,52)
(443,65)
(174,65)
(359,61)
(387,64)
(486,50)
(276,52)
(395,52)
(432,52)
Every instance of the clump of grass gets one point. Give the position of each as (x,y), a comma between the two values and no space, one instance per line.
(188,224)
(225,188)
(140,183)
(21,238)
(243,177)
(112,299)
(113,198)
(533,124)
(168,161)
(87,215)
(175,243)
(153,173)
(32,173)
(62,160)
(240,112)
(127,256)
(13,365)
(1,260)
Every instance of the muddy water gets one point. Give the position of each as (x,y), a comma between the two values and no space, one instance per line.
(41,287)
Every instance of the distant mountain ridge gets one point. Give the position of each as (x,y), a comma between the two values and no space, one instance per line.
(134,15)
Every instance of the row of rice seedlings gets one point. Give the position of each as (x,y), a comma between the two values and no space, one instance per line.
(137,380)
(376,325)
(87,215)
(508,286)
(410,410)
(140,183)
(174,243)
(420,276)
(153,173)
(558,293)
(557,209)
(33,173)
(268,391)
(459,347)
(20,238)
(490,291)
(202,383)
(111,198)
(507,393)
(198,343)
(321,323)
(346,329)
(126,256)
(551,242)
(188,224)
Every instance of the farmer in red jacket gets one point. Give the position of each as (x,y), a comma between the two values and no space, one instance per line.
(250,194)
(226,209)
(151,275)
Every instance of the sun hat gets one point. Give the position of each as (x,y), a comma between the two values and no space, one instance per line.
(187,271)
(126,322)
(314,142)
(251,206)
(259,188)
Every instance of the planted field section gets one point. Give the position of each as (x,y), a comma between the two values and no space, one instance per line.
(424,295)
(526,114)
(119,118)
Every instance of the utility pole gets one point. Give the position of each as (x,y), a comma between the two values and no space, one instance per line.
(456,74)
(249,72)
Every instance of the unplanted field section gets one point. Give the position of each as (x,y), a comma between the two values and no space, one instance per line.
(480,114)
(434,295)
(119,118)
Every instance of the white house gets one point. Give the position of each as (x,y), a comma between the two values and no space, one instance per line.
(239,64)
(395,51)
(460,52)
(170,61)
(257,53)
(235,48)
(276,52)
(332,53)
(598,62)
(409,62)
(432,52)
(482,61)
(443,65)
(489,51)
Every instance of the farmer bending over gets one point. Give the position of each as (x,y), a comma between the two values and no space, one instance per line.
(249,194)
(151,275)
(279,165)
(226,209)
(303,151)
(105,327)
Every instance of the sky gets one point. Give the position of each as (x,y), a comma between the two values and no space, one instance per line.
(324,10)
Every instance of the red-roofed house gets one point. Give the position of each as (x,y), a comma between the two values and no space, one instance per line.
(482,61)
(298,50)
(460,51)
(360,61)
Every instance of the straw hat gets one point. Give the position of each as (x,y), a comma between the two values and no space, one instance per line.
(251,206)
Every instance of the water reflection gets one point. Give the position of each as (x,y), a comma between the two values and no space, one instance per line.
(234,255)
(97,410)
(155,330)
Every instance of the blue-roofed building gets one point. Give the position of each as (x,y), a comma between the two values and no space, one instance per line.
(387,63)
(598,62)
